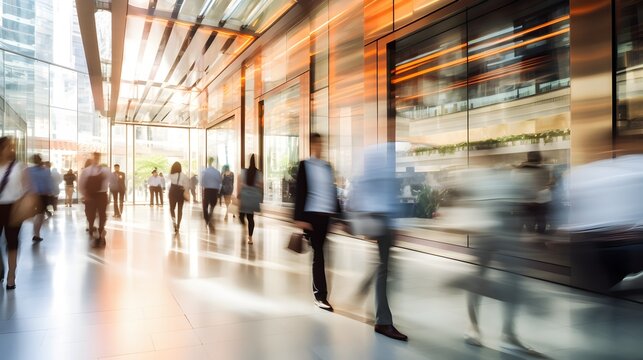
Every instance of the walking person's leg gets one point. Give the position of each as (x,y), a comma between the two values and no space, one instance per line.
(115,200)
(179,214)
(90,212)
(121,201)
(39,219)
(318,238)
(102,216)
(204,205)
(251,226)
(151,195)
(173,203)
(11,234)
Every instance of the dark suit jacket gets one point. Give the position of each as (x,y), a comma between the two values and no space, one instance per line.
(301,194)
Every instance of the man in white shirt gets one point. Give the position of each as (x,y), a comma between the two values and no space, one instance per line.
(93,185)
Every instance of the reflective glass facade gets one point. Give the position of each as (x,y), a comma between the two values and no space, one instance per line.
(45,86)
(483,88)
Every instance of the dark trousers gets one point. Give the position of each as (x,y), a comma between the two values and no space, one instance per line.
(382,310)
(319,223)
(251,222)
(176,199)
(97,204)
(10,232)
(118,198)
(210,197)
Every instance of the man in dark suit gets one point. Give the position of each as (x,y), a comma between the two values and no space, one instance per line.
(117,188)
(315,203)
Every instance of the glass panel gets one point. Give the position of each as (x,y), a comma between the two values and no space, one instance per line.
(406,11)
(157,147)
(319,47)
(197,156)
(281,144)
(486,93)
(222,143)
(251,142)
(629,67)
(119,155)
(429,89)
(319,117)
(274,65)
(64,138)
(298,45)
(64,88)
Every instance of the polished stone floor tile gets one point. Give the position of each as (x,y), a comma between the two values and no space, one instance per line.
(151,294)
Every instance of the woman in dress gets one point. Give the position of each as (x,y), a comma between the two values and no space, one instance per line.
(250,196)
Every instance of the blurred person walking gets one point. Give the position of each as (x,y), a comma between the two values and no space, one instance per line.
(177,194)
(12,187)
(494,199)
(194,181)
(117,189)
(70,179)
(315,202)
(56,179)
(84,172)
(161,190)
(536,181)
(227,187)
(249,196)
(154,184)
(210,183)
(41,184)
(93,185)
(374,197)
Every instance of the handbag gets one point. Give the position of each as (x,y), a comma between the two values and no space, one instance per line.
(297,242)
(25,208)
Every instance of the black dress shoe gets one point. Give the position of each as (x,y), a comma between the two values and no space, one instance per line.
(390,331)
(37,239)
(11,287)
(324,305)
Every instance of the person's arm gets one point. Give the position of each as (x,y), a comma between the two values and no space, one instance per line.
(301,193)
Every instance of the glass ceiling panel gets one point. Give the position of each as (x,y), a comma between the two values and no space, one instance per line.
(144,66)
(190,10)
(172,49)
(133,35)
(143,4)
(166,5)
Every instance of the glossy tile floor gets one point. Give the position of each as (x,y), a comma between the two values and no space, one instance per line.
(151,295)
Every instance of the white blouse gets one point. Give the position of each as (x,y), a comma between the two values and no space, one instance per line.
(182,180)
(15,189)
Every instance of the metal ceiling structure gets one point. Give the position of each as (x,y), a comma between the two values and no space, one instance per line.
(161,54)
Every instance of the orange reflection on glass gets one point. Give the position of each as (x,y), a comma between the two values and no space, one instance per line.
(479,56)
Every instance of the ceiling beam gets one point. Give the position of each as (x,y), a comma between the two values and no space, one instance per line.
(87,24)
(119,21)
(135,11)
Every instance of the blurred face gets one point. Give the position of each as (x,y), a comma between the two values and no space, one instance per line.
(96,159)
(117,168)
(315,149)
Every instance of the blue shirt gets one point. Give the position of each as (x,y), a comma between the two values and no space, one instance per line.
(40,179)
(322,193)
(211,178)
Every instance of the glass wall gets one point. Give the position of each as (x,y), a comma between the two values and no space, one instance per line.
(44,83)
(629,66)
(281,144)
(157,148)
(483,88)
(222,143)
